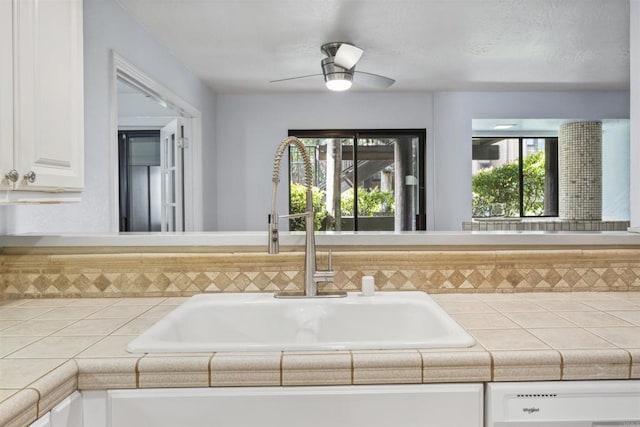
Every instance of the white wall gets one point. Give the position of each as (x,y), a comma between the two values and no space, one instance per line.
(249,128)
(237,172)
(453,112)
(615,169)
(4,222)
(107,26)
(635,114)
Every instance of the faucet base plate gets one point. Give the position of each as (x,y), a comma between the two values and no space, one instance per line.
(292,295)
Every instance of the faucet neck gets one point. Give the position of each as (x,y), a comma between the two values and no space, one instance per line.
(311,274)
(273,243)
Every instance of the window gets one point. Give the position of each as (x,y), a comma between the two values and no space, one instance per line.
(515,177)
(362,180)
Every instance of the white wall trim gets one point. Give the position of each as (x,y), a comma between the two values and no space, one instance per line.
(634,140)
(120,67)
(430,166)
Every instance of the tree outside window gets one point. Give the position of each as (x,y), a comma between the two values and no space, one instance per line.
(361,180)
(514,177)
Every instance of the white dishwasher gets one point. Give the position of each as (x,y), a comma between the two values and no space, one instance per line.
(563,404)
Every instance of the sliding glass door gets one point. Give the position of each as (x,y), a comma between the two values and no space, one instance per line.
(363,180)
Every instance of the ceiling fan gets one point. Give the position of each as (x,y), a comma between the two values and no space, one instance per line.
(338,69)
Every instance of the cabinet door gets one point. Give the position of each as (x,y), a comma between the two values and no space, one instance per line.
(43,421)
(6,92)
(49,94)
(68,413)
(441,405)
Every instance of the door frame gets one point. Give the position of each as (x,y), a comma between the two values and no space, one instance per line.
(176,190)
(125,70)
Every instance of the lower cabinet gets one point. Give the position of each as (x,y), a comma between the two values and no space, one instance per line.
(43,421)
(68,413)
(548,404)
(442,405)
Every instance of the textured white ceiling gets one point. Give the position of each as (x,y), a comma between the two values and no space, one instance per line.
(239,45)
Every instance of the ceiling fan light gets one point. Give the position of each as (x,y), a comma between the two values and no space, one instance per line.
(338,85)
(336,78)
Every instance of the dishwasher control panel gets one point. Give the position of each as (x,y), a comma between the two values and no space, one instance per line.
(563,404)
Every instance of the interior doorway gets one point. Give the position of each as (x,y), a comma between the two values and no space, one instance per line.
(157,150)
(139,173)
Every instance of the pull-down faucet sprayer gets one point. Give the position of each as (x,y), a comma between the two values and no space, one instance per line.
(312,276)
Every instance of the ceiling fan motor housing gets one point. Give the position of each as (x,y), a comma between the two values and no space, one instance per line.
(332,71)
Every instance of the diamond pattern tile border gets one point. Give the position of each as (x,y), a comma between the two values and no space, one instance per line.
(185,274)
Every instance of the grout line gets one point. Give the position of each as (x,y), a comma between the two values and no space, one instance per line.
(76,354)
(281,368)
(421,366)
(38,414)
(15,390)
(590,330)
(126,322)
(493,375)
(210,370)
(8,355)
(561,364)
(29,387)
(60,386)
(352,366)
(137,369)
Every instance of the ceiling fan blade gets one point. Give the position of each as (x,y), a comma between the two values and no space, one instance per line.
(294,78)
(347,56)
(372,80)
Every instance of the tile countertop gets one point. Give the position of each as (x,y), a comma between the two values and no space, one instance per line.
(51,347)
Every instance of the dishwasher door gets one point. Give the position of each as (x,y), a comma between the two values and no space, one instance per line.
(563,404)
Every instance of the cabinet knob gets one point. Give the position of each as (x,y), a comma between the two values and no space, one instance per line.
(30,177)
(12,175)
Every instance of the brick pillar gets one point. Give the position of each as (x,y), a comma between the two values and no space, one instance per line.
(580,170)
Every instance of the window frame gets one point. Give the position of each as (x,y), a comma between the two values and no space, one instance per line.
(554,140)
(421,216)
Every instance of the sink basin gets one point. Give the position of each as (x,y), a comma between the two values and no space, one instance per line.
(260,322)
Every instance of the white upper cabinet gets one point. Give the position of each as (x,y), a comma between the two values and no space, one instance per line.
(45,125)
(6,93)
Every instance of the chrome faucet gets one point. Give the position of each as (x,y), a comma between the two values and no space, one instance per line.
(312,276)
